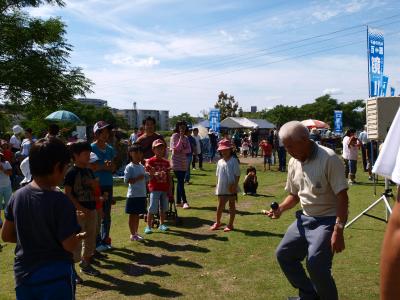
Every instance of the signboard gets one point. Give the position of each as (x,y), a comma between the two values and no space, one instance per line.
(385,80)
(214,118)
(338,121)
(392,91)
(375,61)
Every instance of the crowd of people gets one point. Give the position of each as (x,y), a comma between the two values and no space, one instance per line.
(73,226)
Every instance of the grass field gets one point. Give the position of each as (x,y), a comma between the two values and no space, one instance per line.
(191,262)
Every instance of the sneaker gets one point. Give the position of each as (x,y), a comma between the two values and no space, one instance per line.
(186,205)
(109,247)
(163,227)
(136,238)
(102,248)
(215,226)
(370,178)
(148,230)
(228,228)
(88,270)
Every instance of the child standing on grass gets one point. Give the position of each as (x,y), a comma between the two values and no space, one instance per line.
(42,221)
(267,153)
(5,183)
(228,174)
(135,175)
(78,186)
(159,185)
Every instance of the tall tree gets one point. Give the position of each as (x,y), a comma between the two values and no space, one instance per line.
(227,105)
(34,67)
(182,117)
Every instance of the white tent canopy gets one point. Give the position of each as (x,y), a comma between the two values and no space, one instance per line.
(241,123)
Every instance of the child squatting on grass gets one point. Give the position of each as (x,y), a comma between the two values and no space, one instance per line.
(42,221)
(136,176)
(228,174)
(250,183)
(159,185)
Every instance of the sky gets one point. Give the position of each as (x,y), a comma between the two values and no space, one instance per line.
(178,55)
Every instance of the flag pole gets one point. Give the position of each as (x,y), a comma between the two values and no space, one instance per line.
(368,58)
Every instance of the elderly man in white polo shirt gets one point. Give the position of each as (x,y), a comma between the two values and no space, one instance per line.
(316,180)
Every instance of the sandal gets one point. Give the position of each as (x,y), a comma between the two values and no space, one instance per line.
(228,228)
(215,226)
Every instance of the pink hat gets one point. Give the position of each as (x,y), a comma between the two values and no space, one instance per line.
(157,143)
(224,144)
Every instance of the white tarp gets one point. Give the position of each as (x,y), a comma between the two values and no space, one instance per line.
(238,123)
(388,162)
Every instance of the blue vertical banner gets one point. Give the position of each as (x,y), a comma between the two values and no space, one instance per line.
(375,61)
(384,85)
(392,91)
(338,121)
(214,117)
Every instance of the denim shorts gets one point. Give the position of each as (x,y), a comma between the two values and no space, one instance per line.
(352,166)
(136,205)
(267,159)
(158,198)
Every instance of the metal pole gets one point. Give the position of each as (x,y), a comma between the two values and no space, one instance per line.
(368,58)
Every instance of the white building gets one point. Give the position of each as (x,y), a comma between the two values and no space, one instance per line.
(135,117)
(93,101)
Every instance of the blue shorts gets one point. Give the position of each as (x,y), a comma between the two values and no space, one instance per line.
(55,280)
(267,160)
(156,199)
(136,205)
(352,166)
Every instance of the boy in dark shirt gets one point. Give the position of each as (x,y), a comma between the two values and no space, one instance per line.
(42,222)
(79,187)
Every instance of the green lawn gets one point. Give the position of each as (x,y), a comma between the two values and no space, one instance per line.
(192,262)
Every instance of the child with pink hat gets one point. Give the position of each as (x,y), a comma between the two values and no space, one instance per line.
(228,174)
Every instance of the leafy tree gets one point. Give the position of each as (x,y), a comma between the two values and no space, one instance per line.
(182,117)
(353,114)
(281,114)
(34,67)
(321,109)
(227,105)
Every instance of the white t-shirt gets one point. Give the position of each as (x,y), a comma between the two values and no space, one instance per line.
(198,145)
(317,181)
(346,152)
(15,142)
(4,178)
(26,146)
(226,173)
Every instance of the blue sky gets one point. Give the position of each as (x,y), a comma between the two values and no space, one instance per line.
(178,55)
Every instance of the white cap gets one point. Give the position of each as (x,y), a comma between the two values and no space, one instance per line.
(17,129)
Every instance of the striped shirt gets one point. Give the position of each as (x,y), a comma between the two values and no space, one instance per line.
(180,146)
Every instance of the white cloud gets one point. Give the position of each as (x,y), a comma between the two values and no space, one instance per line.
(131,61)
(332,91)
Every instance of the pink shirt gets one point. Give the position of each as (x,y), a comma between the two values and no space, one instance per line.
(180,146)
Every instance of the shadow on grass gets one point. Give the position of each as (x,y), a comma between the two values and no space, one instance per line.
(258,233)
(130,269)
(174,248)
(203,184)
(214,208)
(129,288)
(260,196)
(149,259)
(195,222)
(370,183)
(197,236)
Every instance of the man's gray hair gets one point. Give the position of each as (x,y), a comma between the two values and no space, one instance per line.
(294,130)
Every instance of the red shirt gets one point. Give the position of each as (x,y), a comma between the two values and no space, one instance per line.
(160,180)
(8,155)
(267,149)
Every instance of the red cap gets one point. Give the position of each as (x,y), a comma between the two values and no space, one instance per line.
(157,143)
(224,144)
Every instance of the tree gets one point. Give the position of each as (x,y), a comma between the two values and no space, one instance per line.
(182,117)
(227,105)
(34,67)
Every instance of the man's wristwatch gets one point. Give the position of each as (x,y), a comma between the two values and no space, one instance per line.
(340,225)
